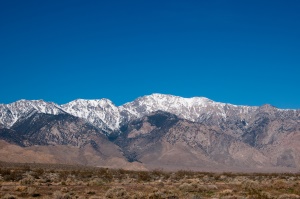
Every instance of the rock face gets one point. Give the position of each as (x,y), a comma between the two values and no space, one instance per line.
(47,129)
(158,131)
(163,140)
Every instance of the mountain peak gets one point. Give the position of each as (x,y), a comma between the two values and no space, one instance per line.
(10,113)
(102,113)
(93,102)
(188,100)
(162,98)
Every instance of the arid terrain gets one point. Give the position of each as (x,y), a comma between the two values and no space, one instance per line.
(64,182)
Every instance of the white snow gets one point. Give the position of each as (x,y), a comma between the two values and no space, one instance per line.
(104,114)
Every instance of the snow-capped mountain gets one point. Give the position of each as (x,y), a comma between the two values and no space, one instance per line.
(196,109)
(107,116)
(101,113)
(10,113)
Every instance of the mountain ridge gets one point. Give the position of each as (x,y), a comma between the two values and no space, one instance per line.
(109,116)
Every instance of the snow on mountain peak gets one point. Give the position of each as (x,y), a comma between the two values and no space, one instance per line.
(10,113)
(163,98)
(103,114)
(187,108)
(196,109)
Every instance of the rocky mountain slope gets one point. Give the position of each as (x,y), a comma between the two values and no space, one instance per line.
(157,131)
(163,140)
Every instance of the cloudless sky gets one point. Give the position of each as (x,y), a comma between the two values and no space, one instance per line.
(239,52)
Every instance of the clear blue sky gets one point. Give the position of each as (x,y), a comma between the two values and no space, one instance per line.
(240,52)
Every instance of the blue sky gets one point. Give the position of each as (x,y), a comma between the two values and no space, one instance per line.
(240,52)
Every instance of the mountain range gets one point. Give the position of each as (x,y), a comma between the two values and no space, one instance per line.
(154,131)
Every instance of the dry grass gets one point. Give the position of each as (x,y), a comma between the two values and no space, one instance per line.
(64,182)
